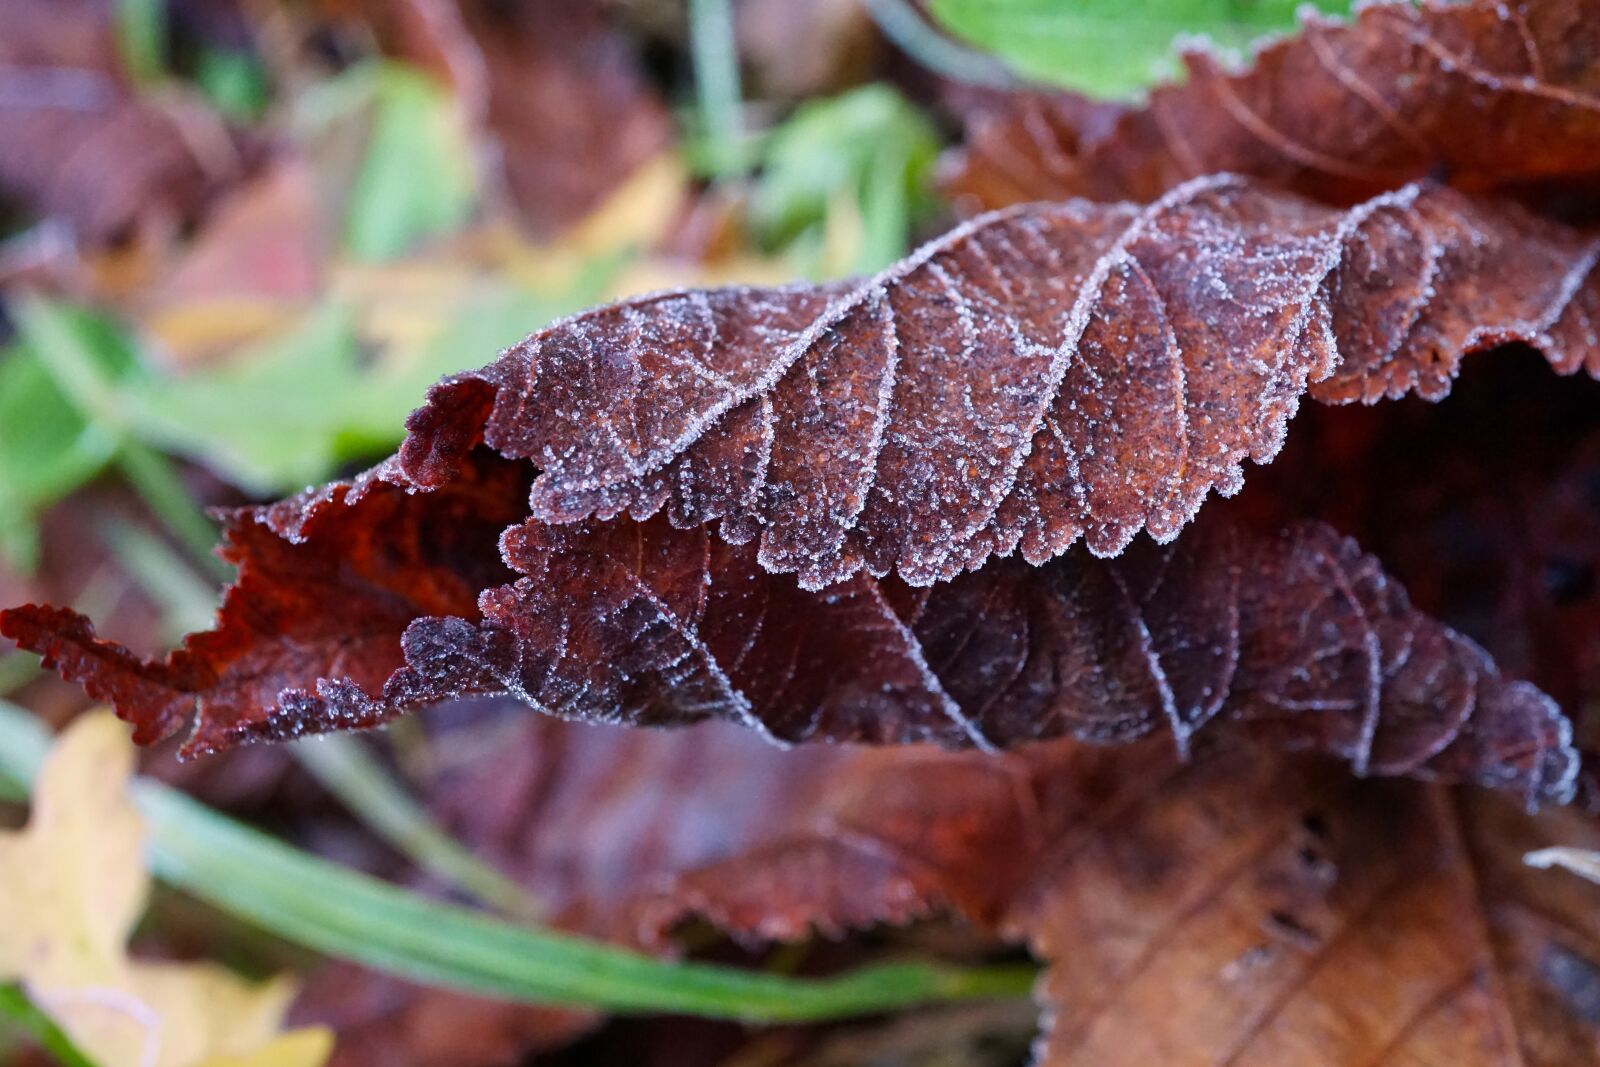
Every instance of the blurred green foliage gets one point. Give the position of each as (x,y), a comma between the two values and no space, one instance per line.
(47,446)
(234,82)
(869,152)
(1115,48)
(292,410)
(289,412)
(141,27)
(416,177)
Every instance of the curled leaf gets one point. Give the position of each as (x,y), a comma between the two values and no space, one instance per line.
(1488,94)
(362,601)
(1039,374)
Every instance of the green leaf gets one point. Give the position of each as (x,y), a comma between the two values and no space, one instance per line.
(416,177)
(47,448)
(1115,48)
(343,913)
(142,38)
(290,411)
(234,82)
(90,361)
(268,420)
(869,144)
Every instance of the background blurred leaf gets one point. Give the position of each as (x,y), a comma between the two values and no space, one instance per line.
(1115,48)
(142,37)
(72,884)
(47,448)
(415,178)
(233,81)
(291,410)
(867,152)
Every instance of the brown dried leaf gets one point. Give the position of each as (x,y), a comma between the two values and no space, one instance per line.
(1261,907)
(80,144)
(1038,374)
(1233,911)
(1486,94)
(553,82)
(361,602)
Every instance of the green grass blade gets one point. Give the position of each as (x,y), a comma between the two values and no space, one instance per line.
(715,53)
(343,913)
(347,770)
(19,1014)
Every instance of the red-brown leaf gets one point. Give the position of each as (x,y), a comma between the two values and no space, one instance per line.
(1235,910)
(1487,93)
(356,604)
(80,144)
(1041,373)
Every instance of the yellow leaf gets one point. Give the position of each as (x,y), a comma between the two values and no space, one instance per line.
(310,1047)
(72,884)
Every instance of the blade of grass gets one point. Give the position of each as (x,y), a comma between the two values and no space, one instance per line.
(46,326)
(18,1011)
(349,771)
(142,38)
(340,912)
(716,83)
(187,603)
(903,24)
(17,669)
(159,486)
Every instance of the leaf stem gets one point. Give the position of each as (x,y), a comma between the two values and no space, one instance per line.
(353,916)
(20,1012)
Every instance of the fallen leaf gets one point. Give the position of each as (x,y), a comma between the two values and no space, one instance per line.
(1036,375)
(81,144)
(72,884)
(1484,94)
(1234,911)
(1208,908)
(357,602)
(653,622)
(568,105)
(416,177)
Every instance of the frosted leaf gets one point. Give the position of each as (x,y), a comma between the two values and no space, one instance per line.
(1489,94)
(1039,375)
